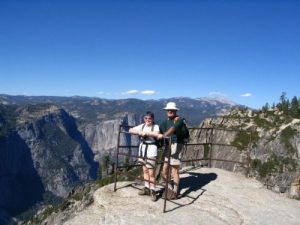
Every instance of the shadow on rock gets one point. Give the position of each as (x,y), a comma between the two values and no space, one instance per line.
(196,181)
(193,183)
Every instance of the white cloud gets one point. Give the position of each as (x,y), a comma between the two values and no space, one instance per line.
(130,92)
(149,92)
(105,93)
(216,93)
(246,95)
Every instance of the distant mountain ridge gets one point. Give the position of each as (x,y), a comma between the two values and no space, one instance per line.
(91,108)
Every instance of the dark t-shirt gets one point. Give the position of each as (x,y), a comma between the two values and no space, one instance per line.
(167,124)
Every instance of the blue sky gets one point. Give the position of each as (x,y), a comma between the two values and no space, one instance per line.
(246,51)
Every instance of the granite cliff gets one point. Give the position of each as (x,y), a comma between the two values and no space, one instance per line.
(274,148)
(43,155)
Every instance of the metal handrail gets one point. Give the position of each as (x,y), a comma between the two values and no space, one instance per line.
(210,142)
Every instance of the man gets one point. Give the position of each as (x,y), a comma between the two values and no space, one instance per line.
(172,127)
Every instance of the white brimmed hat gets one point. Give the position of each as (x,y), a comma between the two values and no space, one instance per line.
(171,106)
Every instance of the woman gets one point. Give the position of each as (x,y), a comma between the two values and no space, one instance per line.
(148,131)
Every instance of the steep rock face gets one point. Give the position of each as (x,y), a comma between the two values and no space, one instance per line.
(273,150)
(220,148)
(43,153)
(59,152)
(103,136)
(20,184)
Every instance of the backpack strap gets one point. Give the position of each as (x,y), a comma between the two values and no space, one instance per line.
(152,128)
(142,139)
(145,143)
(143,126)
(176,119)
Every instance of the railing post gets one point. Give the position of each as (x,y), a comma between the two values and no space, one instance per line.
(168,173)
(211,147)
(117,160)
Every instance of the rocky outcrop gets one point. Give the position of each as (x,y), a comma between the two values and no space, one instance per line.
(295,188)
(209,196)
(273,151)
(220,149)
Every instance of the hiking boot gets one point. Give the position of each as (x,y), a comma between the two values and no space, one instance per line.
(170,196)
(153,195)
(144,191)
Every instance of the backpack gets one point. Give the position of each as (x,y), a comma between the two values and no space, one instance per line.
(158,142)
(184,132)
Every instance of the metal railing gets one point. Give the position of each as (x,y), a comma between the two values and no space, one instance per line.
(208,145)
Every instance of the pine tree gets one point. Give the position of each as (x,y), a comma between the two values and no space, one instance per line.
(273,105)
(105,163)
(284,103)
(266,107)
(294,107)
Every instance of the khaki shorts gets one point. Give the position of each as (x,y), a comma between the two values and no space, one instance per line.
(176,149)
(149,162)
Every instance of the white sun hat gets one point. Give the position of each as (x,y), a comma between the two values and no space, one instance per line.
(171,106)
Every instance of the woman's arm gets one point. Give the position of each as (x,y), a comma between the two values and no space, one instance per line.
(151,134)
(137,130)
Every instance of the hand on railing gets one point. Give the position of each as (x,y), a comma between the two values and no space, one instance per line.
(143,133)
(161,136)
(139,133)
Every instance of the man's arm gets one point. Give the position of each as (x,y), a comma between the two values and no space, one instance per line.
(167,133)
(178,122)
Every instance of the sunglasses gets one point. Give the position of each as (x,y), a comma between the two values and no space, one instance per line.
(171,110)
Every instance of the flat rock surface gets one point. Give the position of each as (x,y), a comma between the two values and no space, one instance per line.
(210,196)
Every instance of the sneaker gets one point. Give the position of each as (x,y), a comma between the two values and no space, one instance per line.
(144,191)
(153,195)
